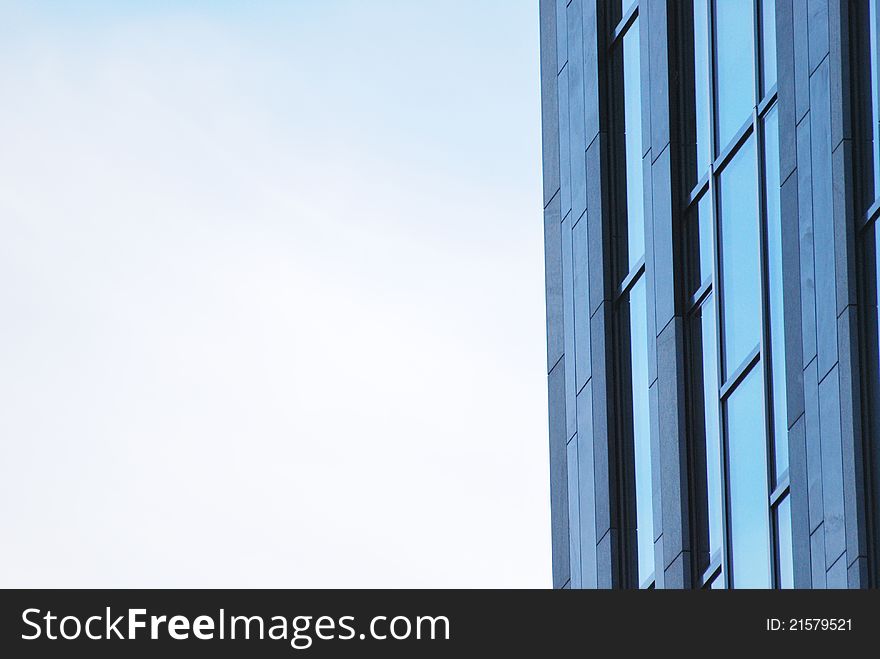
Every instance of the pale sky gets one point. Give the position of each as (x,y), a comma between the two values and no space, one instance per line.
(271,294)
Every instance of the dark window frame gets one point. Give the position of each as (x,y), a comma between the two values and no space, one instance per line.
(624,279)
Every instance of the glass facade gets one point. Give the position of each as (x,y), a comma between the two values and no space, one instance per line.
(638,363)
(735,253)
(734,66)
(729,247)
(747,472)
(632,310)
(739,245)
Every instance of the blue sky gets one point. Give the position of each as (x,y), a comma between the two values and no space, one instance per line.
(272,277)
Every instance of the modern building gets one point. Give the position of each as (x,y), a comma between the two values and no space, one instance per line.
(711,189)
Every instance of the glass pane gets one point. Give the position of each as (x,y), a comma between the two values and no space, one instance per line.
(735,53)
(699,229)
(783,532)
(774,272)
(747,464)
(701,85)
(876,302)
(740,258)
(641,428)
(872,329)
(709,413)
(768,45)
(632,109)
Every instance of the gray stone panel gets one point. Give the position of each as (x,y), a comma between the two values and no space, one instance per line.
(549,101)
(807,258)
(576,126)
(823,219)
(553,282)
(574,513)
(581,270)
(587,491)
(558,476)
(832,467)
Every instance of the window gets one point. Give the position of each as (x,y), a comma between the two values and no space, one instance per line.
(747,456)
(631,305)
(735,67)
(873,132)
(638,341)
(740,258)
(736,351)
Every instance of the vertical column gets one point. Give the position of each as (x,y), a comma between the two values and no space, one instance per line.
(822,333)
(791,180)
(598,392)
(846,259)
(554,296)
(663,167)
(579,482)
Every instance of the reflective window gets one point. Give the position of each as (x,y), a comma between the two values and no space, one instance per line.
(768,43)
(740,258)
(707,350)
(783,531)
(774,279)
(874,331)
(747,468)
(632,103)
(641,428)
(872,246)
(701,85)
(733,246)
(735,65)
(632,308)
(700,242)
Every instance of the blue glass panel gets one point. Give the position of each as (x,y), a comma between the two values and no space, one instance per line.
(747,465)
(768,45)
(714,491)
(641,428)
(735,62)
(632,106)
(783,532)
(699,228)
(701,85)
(740,258)
(774,272)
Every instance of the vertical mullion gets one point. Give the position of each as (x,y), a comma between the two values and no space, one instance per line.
(767,374)
(713,85)
(870,318)
(764,338)
(761,201)
(718,293)
(757,36)
(623,391)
